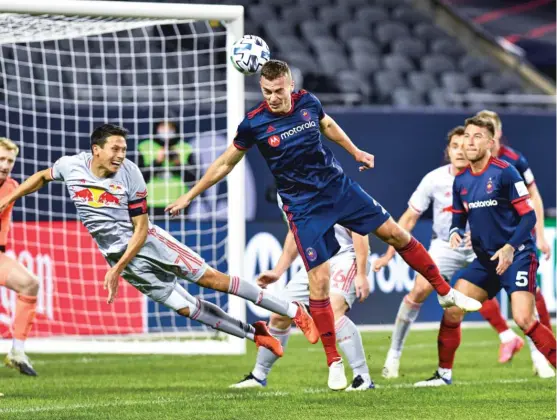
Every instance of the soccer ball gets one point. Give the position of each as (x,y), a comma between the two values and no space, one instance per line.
(249,54)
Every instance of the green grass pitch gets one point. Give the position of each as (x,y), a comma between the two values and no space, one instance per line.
(195,387)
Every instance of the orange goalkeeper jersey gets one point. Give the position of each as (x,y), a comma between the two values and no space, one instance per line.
(7,187)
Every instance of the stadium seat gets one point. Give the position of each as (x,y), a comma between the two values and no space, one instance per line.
(362,46)
(428,32)
(372,15)
(291,43)
(475,66)
(331,63)
(352,82)
(387,32)
(349,30)
(421,82)
(275,30)
(413,48)
(302,60)
(311,29)
(358,4)
(326,44)
(392,3)
(438,97)
(261,12)
(334,14)
(500,82)
(455,82)
(398,63)
(409,15)
(385,83)
(366,64)
(437,64)
(317,3)
(447,46)
(403,97)
(293,15)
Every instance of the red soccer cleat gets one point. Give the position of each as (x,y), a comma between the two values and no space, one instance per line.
(509,349)
(304,322)
(263,338)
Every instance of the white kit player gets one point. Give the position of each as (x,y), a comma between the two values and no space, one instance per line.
(110,196)
(435,187)
(349,269)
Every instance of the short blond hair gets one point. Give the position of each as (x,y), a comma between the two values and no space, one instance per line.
(8,144)
(492,115)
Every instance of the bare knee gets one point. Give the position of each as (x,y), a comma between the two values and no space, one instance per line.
(319,285)
(524,320)
(214,279)
(421,290)
(280,321)
(26,285)
(391,233)
(453,315)
(339,306)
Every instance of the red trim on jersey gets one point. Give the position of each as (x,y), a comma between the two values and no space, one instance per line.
(532,273)
(350,277)
(504,150)
(414,208)
(257,110)
(237,146)
(463,170)
(179,250)
(451,209)
(500,163)
(294,230)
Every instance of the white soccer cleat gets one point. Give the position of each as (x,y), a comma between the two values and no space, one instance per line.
(361,383)
(19,360)
(337,378)
(456,298)
(390,369)
(542,368)
(250,381)
(434,381)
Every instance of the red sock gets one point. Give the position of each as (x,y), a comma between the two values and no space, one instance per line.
(544,340)
(417,257)
(324,319)
(543,313)
(491,311)
(448,341)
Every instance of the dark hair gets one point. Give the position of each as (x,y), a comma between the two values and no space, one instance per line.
(101,133)
(457,131)
(274,69)
(481,122)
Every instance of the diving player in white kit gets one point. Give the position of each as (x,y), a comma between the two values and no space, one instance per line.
(349,269)
(110,194)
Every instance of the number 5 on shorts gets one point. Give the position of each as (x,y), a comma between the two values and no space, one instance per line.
(521,278)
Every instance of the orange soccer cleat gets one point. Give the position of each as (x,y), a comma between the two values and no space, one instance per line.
(304,322)
(263,338)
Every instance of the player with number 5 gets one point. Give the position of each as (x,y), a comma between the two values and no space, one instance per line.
(491,195)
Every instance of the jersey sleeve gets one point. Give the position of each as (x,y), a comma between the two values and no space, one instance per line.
(524,170)
(421,198)
(320,112)
(137,192)
(517,192)
(244,137)
(61,168)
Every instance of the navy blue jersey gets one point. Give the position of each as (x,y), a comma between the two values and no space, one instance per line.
(517,159)
(494,201)
(292,147)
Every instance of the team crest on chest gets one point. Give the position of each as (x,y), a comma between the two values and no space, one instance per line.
(489,186)
(274,141)
(305,114)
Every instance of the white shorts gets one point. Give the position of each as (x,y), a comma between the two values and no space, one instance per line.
(160,262)
(343,273)
(449,260)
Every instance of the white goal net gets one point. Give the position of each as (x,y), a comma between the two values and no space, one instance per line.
(161,71)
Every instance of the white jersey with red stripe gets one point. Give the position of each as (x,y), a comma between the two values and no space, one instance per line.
(103,206)
(437,188)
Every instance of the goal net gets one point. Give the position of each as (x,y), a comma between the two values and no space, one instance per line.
(161,71)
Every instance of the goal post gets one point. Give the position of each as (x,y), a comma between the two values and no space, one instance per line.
(68,66)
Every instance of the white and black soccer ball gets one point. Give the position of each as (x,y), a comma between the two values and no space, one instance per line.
(249,54)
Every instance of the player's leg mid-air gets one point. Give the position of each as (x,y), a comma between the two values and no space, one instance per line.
(316,194)
(503,244)
(12,274)
(348,281)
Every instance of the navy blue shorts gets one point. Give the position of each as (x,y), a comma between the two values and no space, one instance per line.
(520,276)
(349,206)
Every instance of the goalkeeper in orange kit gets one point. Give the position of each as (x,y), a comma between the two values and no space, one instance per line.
(12,274)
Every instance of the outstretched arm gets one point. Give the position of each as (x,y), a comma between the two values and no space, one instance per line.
(111,279)
(333,132)
(361,248)
(34,183)
(217,171)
